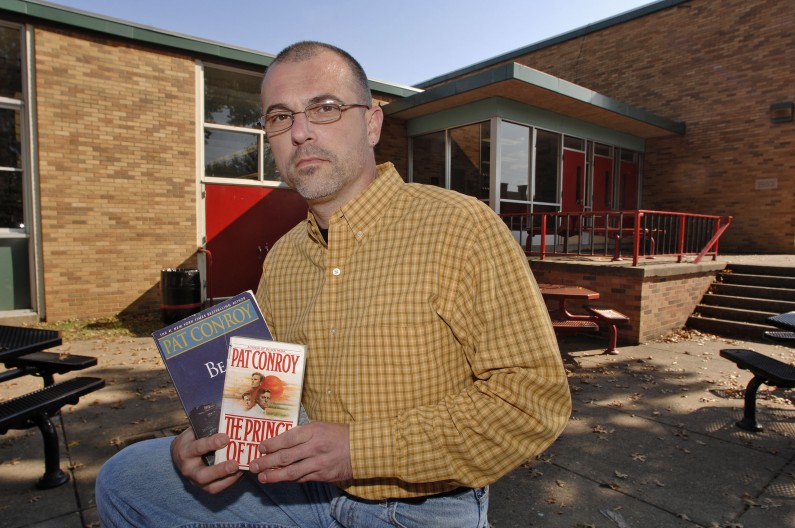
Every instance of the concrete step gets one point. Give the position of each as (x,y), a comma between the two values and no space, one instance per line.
(749,303)
(770,281)
(733,314)
(761,292)
(756,269)
(726,328)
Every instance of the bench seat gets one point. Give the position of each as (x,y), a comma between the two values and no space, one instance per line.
(574,326)
(35,409)
(765,370)
(611,319)
(47,364)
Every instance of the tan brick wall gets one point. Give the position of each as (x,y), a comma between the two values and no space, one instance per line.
(116,138)
(717,68)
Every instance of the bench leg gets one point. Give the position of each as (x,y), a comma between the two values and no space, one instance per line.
(53,475)
(749,422)
(612,344)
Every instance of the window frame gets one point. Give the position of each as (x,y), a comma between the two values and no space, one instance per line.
(256,132)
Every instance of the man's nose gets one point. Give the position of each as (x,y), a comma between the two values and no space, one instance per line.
(302,129)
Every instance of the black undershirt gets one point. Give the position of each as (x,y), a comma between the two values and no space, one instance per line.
(324,234)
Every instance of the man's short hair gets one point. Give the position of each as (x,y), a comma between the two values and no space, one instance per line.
(307,49)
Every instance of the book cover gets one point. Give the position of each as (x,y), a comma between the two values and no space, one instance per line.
(195,350)
(262,395)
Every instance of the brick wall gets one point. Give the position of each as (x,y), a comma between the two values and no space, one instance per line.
(657,298)
(718,68)
(117,158)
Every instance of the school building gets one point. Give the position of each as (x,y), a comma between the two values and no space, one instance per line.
(126,150)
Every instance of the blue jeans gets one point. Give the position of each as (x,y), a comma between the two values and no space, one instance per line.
(140,487)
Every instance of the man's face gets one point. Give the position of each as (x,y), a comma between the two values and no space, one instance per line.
(264,399)
(256,379)
(323,162)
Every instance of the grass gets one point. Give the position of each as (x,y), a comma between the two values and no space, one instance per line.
(106,328)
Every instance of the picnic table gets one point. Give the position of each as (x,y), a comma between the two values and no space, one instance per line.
(23,352)
(766,370)
(786,322)
(565,322)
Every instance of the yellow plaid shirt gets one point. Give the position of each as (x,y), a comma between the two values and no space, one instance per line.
(425,332)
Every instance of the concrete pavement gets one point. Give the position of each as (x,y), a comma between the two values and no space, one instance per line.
(651,442)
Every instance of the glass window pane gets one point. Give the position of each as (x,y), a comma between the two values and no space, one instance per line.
(10,147)
(230,154)
(271,172)
(232,98)
(10,63)
(514,162)
(547,166)
(468,172)
(11,215)
(428,159)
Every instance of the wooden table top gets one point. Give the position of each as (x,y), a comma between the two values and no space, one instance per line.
(558,291)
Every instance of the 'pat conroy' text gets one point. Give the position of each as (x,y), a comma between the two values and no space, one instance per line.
(264,359)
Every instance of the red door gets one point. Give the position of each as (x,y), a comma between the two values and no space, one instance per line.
(602,183)
(243,222)
(573,190)
(629,185)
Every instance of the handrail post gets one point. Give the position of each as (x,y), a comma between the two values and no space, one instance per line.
(636,239)
(543,241)
(680,244)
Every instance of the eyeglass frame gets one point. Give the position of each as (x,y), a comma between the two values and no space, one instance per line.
(342,107)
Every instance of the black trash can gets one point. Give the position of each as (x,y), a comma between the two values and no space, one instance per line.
(180,293)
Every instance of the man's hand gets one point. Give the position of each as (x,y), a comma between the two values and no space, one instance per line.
(187,451)
(318,451)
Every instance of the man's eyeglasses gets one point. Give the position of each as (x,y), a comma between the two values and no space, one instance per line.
(318,113)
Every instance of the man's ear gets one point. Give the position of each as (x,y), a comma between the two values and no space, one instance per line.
(374,121)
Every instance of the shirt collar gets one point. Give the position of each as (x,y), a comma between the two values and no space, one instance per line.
(362,212)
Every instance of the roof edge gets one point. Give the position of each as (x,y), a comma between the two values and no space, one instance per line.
(516,71)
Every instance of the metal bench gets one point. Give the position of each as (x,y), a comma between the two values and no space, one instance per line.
(47,364)
(766,370)
(611,319)
(573,326)
(35,409)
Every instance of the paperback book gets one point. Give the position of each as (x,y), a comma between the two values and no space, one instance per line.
(261,395)
(195,351)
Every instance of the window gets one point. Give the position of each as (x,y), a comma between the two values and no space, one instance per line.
(428,159)
(469,159)
(15,293)
(514,162)
(548,152)
(234,145)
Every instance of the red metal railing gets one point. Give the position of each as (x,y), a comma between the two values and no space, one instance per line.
(643,233)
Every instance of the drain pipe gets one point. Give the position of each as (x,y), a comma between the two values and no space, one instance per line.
(209,254)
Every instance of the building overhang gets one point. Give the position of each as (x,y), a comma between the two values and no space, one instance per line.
(535,88)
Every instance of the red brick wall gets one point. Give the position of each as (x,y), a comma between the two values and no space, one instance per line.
(717,66)
(657,299)
(117,158)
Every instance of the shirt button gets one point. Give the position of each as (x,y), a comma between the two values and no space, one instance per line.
(359,234)
(336,271)
(329,391)
(333,331)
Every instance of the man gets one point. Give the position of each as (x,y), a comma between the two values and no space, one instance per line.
(264,400)
(432,369)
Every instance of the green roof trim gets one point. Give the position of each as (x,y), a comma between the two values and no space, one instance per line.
(569,35)
(515,71)
(150,35)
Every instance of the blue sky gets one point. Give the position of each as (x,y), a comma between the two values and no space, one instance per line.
(404,43)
